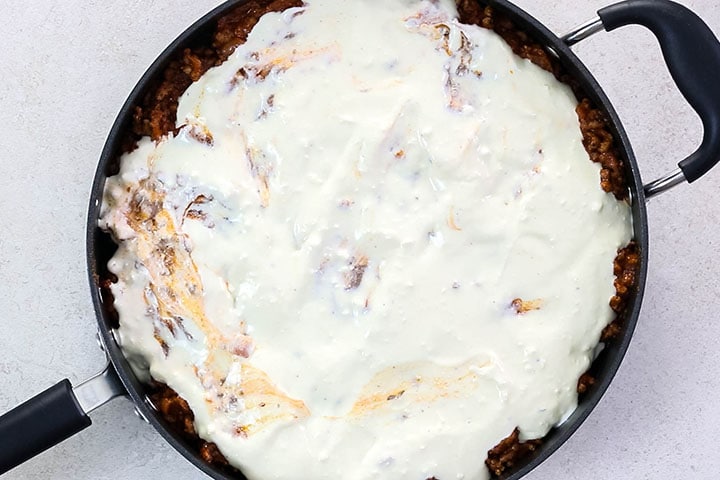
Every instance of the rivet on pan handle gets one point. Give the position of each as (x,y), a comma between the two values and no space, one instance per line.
(692,54)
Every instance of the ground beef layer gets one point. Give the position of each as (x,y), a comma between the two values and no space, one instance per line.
(155,117)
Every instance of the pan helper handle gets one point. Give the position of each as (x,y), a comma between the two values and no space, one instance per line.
(692,53)
(52,416)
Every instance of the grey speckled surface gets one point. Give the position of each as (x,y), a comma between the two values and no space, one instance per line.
(66,69)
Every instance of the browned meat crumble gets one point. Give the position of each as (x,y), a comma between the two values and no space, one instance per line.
(509,452)
(600,145)
(585,382)
(155,116)
(627,264)
(177,413)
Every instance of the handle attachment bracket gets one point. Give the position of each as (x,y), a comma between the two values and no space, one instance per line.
(99,390)
(692,54)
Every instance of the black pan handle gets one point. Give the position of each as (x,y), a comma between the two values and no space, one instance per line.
(53,416)
(40,423)
(692,53)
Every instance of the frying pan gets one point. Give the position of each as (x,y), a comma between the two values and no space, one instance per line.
(693,55)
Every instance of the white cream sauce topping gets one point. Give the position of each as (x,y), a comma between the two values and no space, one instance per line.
(374,248)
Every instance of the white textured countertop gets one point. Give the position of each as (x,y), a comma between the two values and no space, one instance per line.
(67,68)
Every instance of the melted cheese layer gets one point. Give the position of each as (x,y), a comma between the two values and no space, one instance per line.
(375,246)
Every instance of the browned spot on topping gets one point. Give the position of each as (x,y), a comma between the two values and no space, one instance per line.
(142,208)
(239,76)
(323,265)
(395,396)
(453,90)
(522,306)
(196,215)
(354,276)
(266,107)
(256,387)
(242,346)
(170,326)
(179,322)
(263,71)
(252,73)
(444,32)
(465,51)
(201,134)
(242,431)
(509,451)
(264,192)
(166,253)
(261,168)
(451,221)
(165,347)
(267,64)
(400,153)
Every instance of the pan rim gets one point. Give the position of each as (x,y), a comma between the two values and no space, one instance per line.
(614,353)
